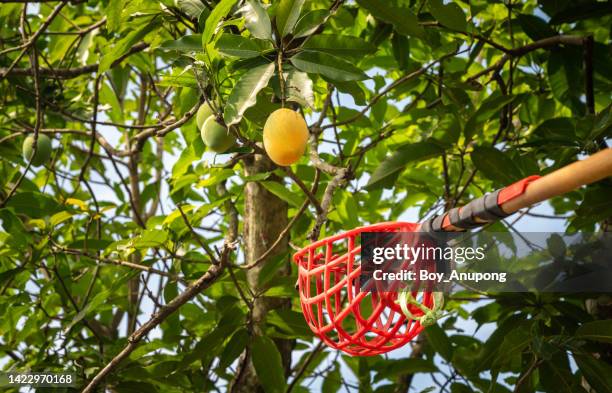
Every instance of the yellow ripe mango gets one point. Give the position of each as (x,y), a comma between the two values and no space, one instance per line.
(285,136)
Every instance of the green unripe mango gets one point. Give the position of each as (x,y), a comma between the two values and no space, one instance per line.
(215,136)
(204,112)
(43,149)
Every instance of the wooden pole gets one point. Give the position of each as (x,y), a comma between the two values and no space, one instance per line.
(580,173)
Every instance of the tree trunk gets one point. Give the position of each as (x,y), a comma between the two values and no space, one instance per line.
(265,217)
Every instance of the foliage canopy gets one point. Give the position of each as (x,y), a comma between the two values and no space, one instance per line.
(133,230)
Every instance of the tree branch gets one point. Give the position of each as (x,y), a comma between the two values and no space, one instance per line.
(69,73)
(24,47)
(387,89)
(37,125)
(142,136)
(206,280)
(523,50)
(131,265)
(342,176)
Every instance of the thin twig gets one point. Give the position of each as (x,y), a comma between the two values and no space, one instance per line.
(70,73)
(309,194)
(37,125)
(132,265)
(389,88)
(212,256)
(207,279)
(27,44)
(311,356)
(286,230)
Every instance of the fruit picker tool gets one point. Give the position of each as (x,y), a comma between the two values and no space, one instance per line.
(338,310)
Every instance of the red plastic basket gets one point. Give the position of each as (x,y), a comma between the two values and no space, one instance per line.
(356,321)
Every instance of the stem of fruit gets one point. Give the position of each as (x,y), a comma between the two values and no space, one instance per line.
(281,78)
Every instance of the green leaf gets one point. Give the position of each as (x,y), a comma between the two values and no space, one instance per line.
(60,217)
(123,45)
(594,207)
(13,226)
(287,14)
(193,8)
(489,107)
(439,341)
(299,88)
(339,45)
(460,388)
(495,165)
(449,15)
(406,154)
(490,349)
(270,269)
(244,94)
(291,322)
(310,22)
(82,53)
(108,96)
(219,12)
(92,305)
(347,210)
(210,343)
(286,290)
(394,368)
(565,77)
(256,20)
(329,66)
(582,10)
(90,244)
(535,27)
(170,291)
(479,45)
(354,90)
(258,113)
(556,375)
(513,345)
(151,238)
(216,177)
(603,123)
(556,246)
(188,43)
(242,47)
(596,372)
(181,78)
(33,204)
(403,20)
(282,192)
(332,382)
(234,348)
(113,15)
(596,331)
(187,157)
(401,50)
(268,365)
(8,275)
(558,130)
(485,385)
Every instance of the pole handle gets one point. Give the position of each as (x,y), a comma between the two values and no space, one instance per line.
(570,177)
(533,189)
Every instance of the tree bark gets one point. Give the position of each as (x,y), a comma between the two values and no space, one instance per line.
(265,217)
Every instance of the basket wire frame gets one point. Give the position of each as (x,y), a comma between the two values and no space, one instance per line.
(343,314)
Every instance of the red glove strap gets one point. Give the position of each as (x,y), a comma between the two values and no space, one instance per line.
(515,189)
